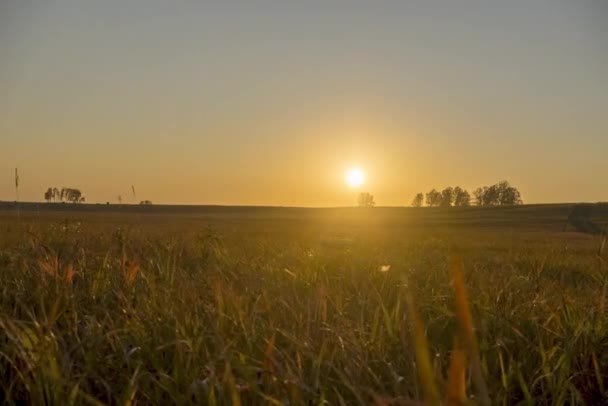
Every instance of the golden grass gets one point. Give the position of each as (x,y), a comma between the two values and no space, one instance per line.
(465,346)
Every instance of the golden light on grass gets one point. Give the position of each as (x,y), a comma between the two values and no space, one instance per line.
(425,368)
(465,327)
(456,383)
(131,272)
(465,347)
(354,177)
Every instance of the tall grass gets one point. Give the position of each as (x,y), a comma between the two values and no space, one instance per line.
(92,316)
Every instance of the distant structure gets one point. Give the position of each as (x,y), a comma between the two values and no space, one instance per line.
(145,202)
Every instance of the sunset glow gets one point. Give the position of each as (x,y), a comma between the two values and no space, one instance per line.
(223,104)
(354,177)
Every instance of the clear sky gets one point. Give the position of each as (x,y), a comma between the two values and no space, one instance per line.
(268,102)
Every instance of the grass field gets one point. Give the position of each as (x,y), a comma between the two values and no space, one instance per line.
(218,305)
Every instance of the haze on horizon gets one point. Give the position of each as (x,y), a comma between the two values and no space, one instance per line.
(269,102)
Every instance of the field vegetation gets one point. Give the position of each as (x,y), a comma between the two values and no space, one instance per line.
(159,305)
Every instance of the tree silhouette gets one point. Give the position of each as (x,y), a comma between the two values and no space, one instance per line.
(433,198)
(500,194)
(65,194)
(71,195)
(366,200)
(418,199)
(478,195)
(508,195)
(447,197)
(462,198)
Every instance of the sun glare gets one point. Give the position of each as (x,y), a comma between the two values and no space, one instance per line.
(354,177)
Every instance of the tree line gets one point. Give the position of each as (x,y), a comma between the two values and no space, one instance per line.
(446,198)
(500,194)
(71,195)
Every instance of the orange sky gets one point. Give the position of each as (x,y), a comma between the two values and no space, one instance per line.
(269,104)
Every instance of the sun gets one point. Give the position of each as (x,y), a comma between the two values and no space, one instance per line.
(354,177)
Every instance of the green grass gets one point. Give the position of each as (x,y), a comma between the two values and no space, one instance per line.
(288,306)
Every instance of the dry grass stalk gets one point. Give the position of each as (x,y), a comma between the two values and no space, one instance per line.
(131,272)
(466,329)
(425,369)
(456,385)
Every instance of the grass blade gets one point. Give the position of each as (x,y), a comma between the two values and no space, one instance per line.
(425,370)
(466,329)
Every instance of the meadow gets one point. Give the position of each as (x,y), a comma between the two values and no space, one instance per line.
(219,305)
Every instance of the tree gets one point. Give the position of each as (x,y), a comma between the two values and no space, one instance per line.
(486,196)
(418,199)
(366,200)
(478,196)
(492,196)
(433,198)
(500,194)
(72,195)
(462,198)
(508,195)
(447,197)
(65,194)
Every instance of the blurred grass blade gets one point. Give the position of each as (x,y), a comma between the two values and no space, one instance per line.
(598,373)
(231,386)
(466,329)
(425,370)
(131,272)
(128,397)
(456,393)
(269,355)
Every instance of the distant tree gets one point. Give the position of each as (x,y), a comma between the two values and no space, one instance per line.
(119,199)
(502,194)
(447,197)
(478,196)
(462,198)
(492,196)
(507,194)
(71,195)
(145,202)
(65,194)
(418,200)
(433,198)
(487,196)
(366,200)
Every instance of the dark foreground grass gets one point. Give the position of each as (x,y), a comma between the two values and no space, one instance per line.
(107,315)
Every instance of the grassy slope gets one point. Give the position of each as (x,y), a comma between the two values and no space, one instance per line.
(163,305)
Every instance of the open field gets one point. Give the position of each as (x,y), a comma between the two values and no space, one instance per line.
(221,305)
